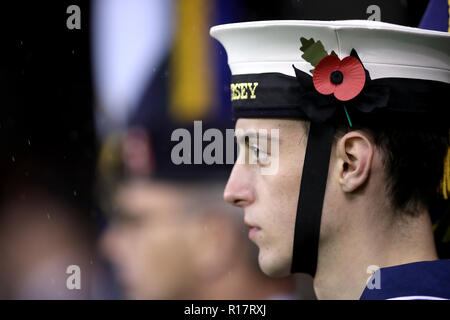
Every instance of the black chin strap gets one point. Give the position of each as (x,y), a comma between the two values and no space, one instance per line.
(310,201)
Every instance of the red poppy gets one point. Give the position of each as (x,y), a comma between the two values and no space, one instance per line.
(344,78)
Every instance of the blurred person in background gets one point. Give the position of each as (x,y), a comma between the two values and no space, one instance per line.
(171,235)
(178,241)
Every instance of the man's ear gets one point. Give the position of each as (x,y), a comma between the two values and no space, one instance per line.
(355,154)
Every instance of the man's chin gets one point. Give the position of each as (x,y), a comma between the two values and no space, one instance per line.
(274,267)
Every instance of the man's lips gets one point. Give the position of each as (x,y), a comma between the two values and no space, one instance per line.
(254,229)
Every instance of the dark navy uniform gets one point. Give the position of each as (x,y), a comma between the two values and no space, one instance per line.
(426,280)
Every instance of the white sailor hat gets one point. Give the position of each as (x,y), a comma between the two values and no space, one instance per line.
(265,57)
(333,72)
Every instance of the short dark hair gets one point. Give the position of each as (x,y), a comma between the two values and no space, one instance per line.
(413,157)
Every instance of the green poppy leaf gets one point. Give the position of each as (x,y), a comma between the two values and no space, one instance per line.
(313,51)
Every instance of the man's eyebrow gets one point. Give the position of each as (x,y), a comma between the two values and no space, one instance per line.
(253,134)
(241,136)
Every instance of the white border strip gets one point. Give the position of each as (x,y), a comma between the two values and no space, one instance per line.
(417,298)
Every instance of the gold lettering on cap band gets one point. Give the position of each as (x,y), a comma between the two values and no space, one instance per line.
(243,90)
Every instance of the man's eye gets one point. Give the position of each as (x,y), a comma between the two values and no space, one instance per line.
(254,149)
(261,156)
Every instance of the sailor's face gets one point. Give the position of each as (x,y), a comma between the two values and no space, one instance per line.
(269,198)
(147,244)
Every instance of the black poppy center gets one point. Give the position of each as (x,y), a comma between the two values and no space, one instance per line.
(336,77)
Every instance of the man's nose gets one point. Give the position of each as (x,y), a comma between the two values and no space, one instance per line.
(239,190)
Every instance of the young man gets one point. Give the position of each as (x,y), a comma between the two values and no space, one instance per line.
(363,132)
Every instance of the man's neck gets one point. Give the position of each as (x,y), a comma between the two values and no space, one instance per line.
(344,265)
